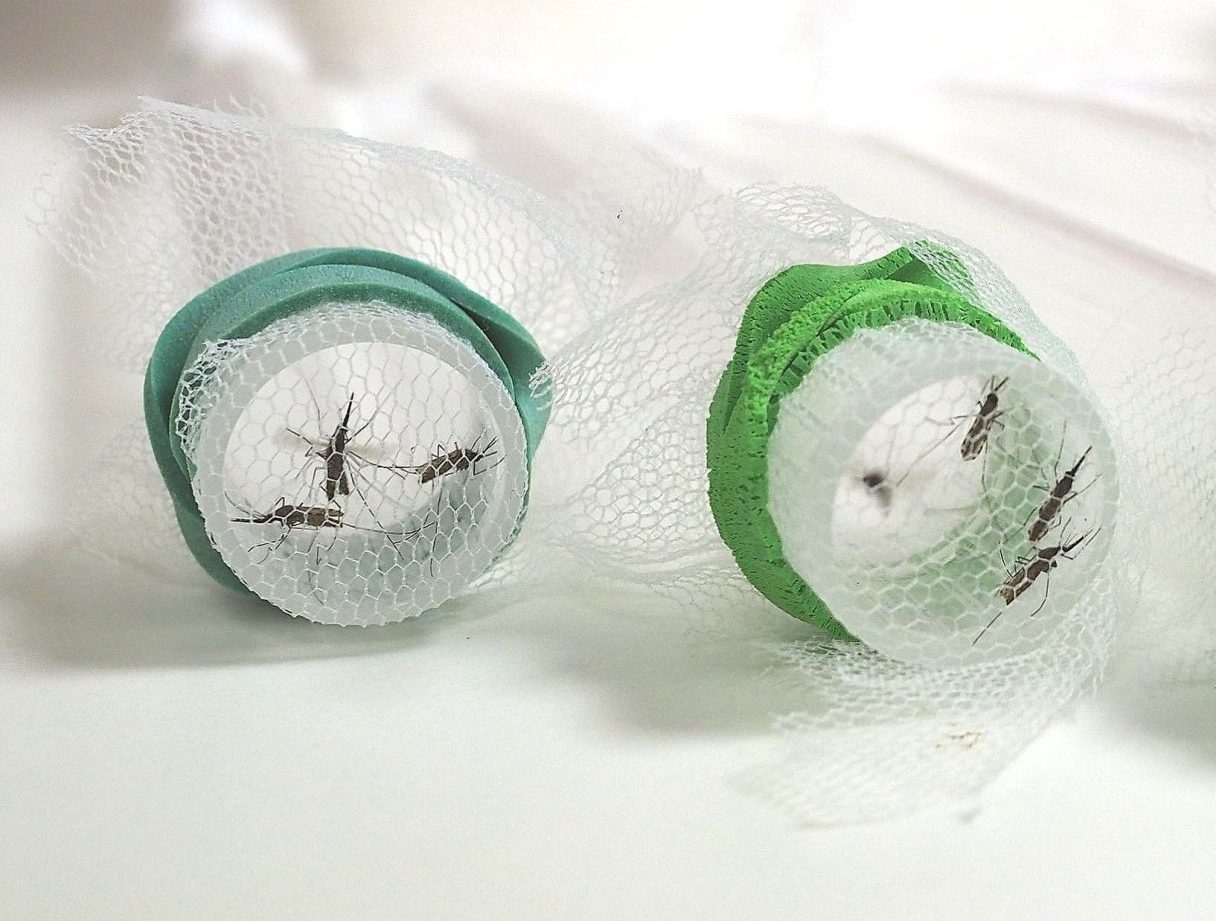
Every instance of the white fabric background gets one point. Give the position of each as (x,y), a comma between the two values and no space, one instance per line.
(189,754)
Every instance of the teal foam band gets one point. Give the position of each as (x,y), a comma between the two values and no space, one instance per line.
(246,303)
(793,320)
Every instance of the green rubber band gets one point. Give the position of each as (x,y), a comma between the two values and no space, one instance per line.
(246,303)
(794,319)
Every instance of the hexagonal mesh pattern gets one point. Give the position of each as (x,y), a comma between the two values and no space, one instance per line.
(126,495)
(176,198)
(945,495)
(1168,419)
(355,464)
(869,482)
(173,199)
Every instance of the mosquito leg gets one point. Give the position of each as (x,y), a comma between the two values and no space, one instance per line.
(398,470)
(1077,492)
(357,468)
(317,471)
(1088,540)
(309,452)
(490,451)
(1046,589)
(483,457)
(361,429)
(300,435)
(953,420)
(1034,512)
(265,556)
(1055,469)
(430,557)
(933,447)
(315,403)
(988,626)
(312,570)
(383,530)
(994,423)
(270,545)
(243,509)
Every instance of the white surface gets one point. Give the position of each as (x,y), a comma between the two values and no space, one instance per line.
(187,754)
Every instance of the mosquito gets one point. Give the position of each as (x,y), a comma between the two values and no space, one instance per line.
(1030,568)
(315,517)
(987,415)
(1060,494)
(444,462)
(335,452)
(289,517)
(344,467)
(875,482)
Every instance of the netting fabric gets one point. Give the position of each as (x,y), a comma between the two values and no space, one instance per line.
(1168,424)
(984,606)
(174,199)
(355,464)
(869,472)
(933,529)
(351,463)
(1166,418)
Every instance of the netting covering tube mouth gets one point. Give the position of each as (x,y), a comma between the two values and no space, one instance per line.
(346,433)
(887,463)
(354,364)
(859,422)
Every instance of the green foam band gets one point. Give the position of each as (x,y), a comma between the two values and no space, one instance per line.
(246,303)
(795,318)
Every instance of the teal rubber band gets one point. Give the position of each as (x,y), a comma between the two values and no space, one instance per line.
(794,319)
(246,303)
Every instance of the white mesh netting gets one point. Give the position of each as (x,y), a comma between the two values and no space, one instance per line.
(951,534)
(353,464)
(944,494)
(174,199)
(1168,423)
(1166,417)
